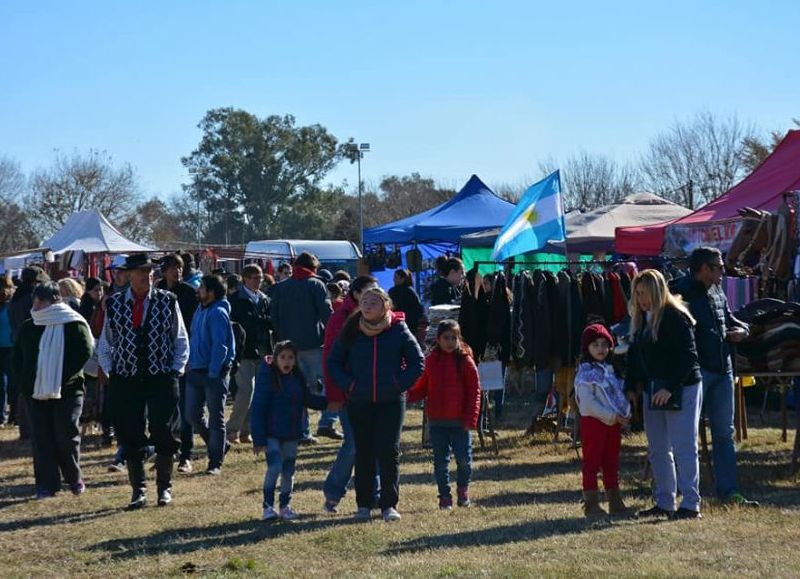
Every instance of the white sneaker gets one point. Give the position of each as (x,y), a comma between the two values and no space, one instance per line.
(391,514)
(269,514)
(287,514)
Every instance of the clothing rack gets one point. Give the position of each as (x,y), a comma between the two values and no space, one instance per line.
(562,262)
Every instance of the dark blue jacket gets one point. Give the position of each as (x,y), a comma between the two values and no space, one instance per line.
(379,368)
(709,306)
(300,309)
(279,413)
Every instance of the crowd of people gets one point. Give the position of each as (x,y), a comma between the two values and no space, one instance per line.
(155,363)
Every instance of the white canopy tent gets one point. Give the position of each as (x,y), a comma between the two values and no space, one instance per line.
(90,232)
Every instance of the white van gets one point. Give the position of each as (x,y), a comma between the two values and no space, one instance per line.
(332,254)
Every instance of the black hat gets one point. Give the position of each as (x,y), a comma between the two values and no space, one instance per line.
(326,275)
(137,261)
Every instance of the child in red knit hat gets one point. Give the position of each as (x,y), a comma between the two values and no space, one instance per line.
(604,410)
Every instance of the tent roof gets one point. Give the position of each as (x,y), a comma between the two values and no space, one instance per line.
(762,189)
(89,231)
(473,209)
(594,230)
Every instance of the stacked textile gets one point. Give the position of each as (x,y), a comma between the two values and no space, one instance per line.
(774,341)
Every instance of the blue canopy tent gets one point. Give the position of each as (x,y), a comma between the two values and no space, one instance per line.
(475,208)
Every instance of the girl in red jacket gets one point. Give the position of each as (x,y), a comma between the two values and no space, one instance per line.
(451,385)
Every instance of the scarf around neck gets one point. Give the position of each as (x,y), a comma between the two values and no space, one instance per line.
(50,363)
(371,329)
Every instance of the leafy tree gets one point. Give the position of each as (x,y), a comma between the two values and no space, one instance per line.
(247,171)
(79,182)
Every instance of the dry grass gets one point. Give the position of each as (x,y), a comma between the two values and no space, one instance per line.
(526,520)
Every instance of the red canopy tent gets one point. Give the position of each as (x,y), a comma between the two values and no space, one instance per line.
(718,222)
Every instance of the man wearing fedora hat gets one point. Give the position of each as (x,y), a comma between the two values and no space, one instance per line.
(143,349)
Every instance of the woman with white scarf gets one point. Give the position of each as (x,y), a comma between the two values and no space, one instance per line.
(49,354)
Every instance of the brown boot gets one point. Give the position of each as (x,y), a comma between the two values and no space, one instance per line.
(591,505)
(615,504)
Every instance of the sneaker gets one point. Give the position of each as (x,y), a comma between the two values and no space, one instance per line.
(288,514)
(446,504)
(246,439)
(269,514)
(233,439)
(686,514)
(185,466)
(216,471)
(391,514)
(738,499)
(45,494)
(330,432)
(463,497)
(164,497)
(138,500)
(331,507)
(78,488)
(363,514)
(655,511)
(117,466)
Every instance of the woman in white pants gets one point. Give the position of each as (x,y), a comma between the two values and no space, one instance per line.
(662,364)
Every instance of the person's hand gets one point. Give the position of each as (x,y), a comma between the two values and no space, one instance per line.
(102,379)
(335,406)
(661,397)
(736,335)
(622,420)
(257,450)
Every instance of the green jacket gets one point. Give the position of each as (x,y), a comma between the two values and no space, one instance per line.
(78,345)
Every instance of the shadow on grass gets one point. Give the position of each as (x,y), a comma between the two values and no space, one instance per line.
(10,449)
(191,539)
(501,535)
(68,518)
(508,499)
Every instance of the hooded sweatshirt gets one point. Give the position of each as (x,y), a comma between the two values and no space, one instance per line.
(211,341)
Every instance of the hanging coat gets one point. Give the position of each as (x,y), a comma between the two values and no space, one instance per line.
(500,318)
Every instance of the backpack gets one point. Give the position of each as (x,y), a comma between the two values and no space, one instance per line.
(239,337)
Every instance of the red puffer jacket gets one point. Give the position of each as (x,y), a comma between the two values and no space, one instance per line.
(333,328)
(451,386)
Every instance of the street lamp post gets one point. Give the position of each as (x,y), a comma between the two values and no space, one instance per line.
(357,151)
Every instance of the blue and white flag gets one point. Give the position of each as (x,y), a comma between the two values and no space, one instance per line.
(537,220)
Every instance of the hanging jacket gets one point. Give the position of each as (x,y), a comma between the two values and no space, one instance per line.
(279,413)
(473,317)
(500,318)
(543,346)
(563,327)
(406,300)
(452,390)
(619,304)
(380,368)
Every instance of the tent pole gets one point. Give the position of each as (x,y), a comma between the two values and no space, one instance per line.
(417,274)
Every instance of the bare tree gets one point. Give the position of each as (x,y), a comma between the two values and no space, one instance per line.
(694,162)
(591,180)
(16,231)
(756,149)
(79,182)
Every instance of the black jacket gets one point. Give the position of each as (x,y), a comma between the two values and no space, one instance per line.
(254,319)
(406,300)
(443,292)
(19,308)
(673,357)
(709,306)
(187,300)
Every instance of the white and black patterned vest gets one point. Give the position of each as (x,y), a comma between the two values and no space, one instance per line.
(148,349)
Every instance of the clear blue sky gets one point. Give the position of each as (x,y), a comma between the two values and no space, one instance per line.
(443,88)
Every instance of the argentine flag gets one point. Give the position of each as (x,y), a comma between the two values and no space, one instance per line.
(538,218)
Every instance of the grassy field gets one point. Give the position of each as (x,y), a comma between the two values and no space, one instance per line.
(526,520)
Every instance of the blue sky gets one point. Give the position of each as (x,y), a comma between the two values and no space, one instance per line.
(443,88)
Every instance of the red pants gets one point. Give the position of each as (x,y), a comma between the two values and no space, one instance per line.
(600,453)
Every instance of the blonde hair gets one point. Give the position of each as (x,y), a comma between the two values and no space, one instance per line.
(654,284)
(70,288)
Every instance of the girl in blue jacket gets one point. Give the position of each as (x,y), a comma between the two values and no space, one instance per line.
(276,416)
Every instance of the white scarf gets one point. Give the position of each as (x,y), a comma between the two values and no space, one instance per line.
(50,364)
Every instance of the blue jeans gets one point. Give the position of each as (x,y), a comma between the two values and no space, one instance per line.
(542,387)
(341,471)
(444,439)
(718,408)
(202,390)
(187,432)
(310,362)
(281,457)
(672,449)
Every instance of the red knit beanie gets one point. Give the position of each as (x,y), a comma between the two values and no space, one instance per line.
(593,332)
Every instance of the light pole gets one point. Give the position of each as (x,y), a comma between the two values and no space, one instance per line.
(357,151)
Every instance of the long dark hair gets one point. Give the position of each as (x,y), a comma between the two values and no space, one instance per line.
(406,276)
(463,349)
(273,366)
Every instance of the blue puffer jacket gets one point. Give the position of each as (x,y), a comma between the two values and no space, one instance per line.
(379,368)
(279,413)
